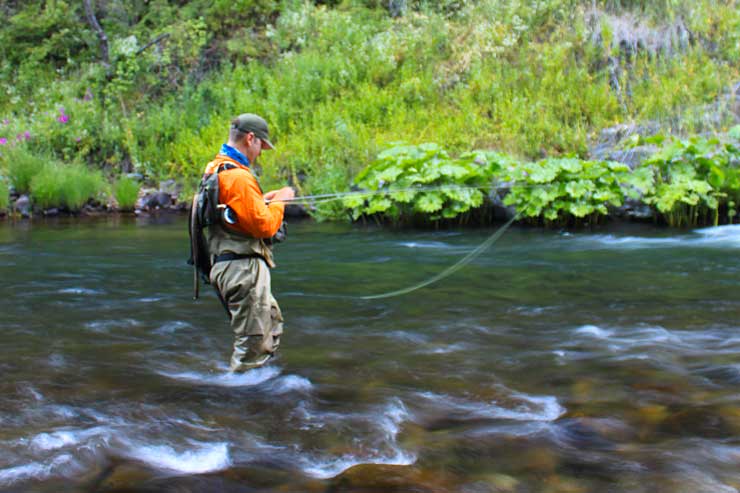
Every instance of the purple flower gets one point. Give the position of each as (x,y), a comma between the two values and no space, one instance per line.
(6,122)
(77,139)
(3,141)
(27,135)
(88,95)
(62,118)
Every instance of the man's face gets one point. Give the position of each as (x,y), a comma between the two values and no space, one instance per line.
(254,147)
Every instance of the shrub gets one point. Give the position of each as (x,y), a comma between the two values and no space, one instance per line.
(66,185)
(126,191)
(422,181)
(693,179)
(570,190)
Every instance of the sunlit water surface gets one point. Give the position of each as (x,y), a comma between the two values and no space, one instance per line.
(562,362)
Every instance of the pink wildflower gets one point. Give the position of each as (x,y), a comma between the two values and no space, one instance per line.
(3,141)
(62,118)
(27,135)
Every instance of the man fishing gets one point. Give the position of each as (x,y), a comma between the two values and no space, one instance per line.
(238,245)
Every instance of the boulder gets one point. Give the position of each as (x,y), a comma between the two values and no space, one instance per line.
(22,206)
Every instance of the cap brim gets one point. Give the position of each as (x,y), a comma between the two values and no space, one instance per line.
(266,144)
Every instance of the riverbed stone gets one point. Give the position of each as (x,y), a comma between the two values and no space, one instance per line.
(124,477)
(371,478)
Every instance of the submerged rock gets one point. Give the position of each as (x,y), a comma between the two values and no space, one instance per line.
(379,478)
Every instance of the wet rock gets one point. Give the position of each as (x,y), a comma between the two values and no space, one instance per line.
(51,212)
(540,460)
(296,211)
(634,209)
(154,200)
(123,477)
(22,206)
(698,421)
(379,478)
(581,433)
(563,484)
(494,483)
(170,187)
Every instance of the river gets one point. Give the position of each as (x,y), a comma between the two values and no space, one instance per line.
(604,360)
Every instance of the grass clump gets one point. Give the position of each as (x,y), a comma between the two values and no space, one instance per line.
(22,165)
(66,185)
(4,195)
(126,191)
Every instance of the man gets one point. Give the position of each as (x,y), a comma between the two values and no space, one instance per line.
(242,258)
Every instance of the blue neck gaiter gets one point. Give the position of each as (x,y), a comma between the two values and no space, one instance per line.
(234,154)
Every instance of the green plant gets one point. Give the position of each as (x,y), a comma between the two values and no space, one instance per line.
(4,194)
(694,179)
(562,189)
(422,180)
(22,165)
(66,185)
(126,191)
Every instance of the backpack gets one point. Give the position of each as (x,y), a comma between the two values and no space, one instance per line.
(205,211)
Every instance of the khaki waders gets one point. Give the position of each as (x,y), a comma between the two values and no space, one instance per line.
(256,320)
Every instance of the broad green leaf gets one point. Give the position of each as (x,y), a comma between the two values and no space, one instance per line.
(429,202)
(581,209)
(353,201)
(403,196)
(378,204)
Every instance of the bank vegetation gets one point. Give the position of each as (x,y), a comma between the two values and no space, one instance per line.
(569,111)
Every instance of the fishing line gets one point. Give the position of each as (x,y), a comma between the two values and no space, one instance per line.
(327,197)
(451,269)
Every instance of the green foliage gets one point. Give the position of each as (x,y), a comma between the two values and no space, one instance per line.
(4,194)
(337,80)
(561,189)
(126,191)
(694,179)
(422,180)
(21,166)
(66,185)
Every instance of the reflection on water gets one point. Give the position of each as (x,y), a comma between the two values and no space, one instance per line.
(563,362)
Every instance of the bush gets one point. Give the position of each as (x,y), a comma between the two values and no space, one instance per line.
(126,191)
(66,185)
(421,181)
(694,179)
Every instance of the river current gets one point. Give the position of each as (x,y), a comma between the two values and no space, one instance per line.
(604,360)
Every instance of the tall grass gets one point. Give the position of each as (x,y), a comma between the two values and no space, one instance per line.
(4,195)
(66,185)
(126,191)
(22,165)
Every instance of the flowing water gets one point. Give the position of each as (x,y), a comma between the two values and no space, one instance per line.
(556,362)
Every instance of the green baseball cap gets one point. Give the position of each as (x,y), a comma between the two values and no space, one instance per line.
(249,122)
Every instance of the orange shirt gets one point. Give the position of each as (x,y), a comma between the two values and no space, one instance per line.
(241,192)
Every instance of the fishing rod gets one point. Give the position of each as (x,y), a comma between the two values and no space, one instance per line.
(328,197)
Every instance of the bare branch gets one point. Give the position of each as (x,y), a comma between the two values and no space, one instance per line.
(93,21)
(152,42)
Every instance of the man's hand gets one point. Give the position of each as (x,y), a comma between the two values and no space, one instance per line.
(285,193)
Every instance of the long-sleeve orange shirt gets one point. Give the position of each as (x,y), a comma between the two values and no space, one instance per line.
(241,192)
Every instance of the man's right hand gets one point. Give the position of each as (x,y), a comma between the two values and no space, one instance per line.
(285,193)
